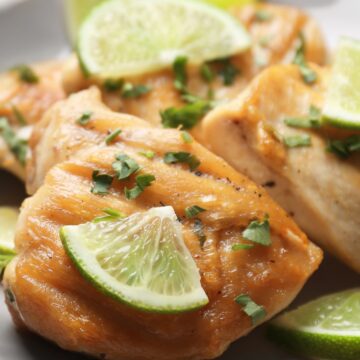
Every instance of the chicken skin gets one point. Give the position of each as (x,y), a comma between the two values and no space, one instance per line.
(319,188)
(47,294)
(24,101)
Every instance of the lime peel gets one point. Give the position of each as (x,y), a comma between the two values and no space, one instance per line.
(141,260)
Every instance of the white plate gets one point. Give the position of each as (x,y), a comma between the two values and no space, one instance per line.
(34,30)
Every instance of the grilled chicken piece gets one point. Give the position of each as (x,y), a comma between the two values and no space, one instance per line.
(24,103)
(317,187)
(49,296)
(274,40)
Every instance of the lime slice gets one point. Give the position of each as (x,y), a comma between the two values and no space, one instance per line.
(133,37)
(327,328)
(342,100)
(8,220)
(229,3)
(141,260)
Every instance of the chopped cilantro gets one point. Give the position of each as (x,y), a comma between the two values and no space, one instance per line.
(192,211)
(182,157)
(111,214)
(142,182)
(26,74)
(199,231)
(297,141)
(207,73)
(101,183)
(179,68)
(17,146)
(254,311)
(228,71)
(130,91)
(124,166)
(343,148)
(313,120)
(258,232)
(236,247)
(84,118)
(148,154)
(308,74)
(112,136)
(186,137)
(186,117)
(111,85)
(19,116)
(263,15)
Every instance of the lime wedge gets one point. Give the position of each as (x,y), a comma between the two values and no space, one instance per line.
(342,100)
(8,220)
(326,328)
(133,37)
(141,260)
(229,3)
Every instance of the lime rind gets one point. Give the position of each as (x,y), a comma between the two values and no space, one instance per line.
(141,261)
(342,100)
(327,328)
(132,37)
(8,220)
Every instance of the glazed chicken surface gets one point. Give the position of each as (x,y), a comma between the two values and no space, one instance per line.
(319,188)
(47,294)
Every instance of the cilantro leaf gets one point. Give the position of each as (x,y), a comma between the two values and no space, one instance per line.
(236,247)
(207,73)
(182,157)
(16,145)
(297,141)
(84,118)
(142,182)
(227,70)
(130,91)
(179,68)
(343,148)
(186,137)
(313,120)
(148,154)
(26,74)
(19,116)
(112,136)
(187,116)
(258,232)
(112,85)
(254,311)
(111,215)
(101,183)
(192,211)
(124,166)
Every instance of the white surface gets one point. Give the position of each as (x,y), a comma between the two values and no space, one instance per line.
(33,30)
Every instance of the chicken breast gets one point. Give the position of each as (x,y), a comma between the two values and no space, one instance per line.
(48,295)
(23,102)
(318,188)
(274,30)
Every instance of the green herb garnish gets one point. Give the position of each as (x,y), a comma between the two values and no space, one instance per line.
(237,247)
(182,157)
(187,116)
(84,118)
(258,232)
(207,73)
(308,74)
(112,136)
(26,74)
(101,183)
(19,116)
(263,15)
(343,148)
(313,120)
(16,145)
(227,71)
(112,85)
(130,91)
(124,166)
(193,211)
(294,141)
(255,311)
(186,137)
(142,182)
(111,215)
(179,68)
(148,154)
(199,231)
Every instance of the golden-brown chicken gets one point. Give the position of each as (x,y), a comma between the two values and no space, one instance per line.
(25,94)
(320,189)
(49,296)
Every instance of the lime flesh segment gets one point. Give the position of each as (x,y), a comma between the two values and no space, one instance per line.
(326,328)
(8,220)
(133,37)
(342,100)
(141,260)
